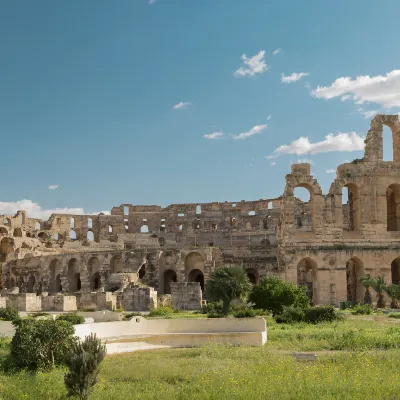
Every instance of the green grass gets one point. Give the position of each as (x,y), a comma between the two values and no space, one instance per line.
(225,372)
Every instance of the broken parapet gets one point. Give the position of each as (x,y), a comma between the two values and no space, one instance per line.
(137,298)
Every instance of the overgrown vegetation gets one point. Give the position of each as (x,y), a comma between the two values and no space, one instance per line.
(72,318)
(9,314)
(83,362)
(161,312)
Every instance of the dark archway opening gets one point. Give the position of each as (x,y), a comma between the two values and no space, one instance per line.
(31,284)
(197,276)
(395,269)
(142,271)
(169,276)
(95,282)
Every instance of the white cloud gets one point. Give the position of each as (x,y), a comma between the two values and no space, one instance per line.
(340,142)
(34,210)
(368,114)
(269,117)
(254,65)
(381,89)
(53,187)
(273,163)
(181,105)
(296,76)
(272,156)
(330,171)
(214,135)
(253,131)
(152,1)
(277,51)
(305,161)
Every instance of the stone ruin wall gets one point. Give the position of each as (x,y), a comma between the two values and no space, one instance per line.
(322,244)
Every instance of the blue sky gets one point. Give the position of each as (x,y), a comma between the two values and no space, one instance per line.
(87,90)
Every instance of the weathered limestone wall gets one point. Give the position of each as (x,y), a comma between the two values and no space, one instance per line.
(186,295)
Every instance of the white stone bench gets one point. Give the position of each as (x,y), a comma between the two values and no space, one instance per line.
(140,333)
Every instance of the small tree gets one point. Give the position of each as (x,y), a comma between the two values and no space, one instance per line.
(41,344)
(393,292)
(367,282)
(227,283)
(379,286)
(83,363)
(273,294)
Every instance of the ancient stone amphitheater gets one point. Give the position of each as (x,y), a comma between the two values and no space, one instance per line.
(322,244)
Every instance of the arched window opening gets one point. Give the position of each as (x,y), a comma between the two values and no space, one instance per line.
(126,210)
(55,276)
(7,222)
(95,281)
(17,232)
(110,229)
(22,219)
(72,223)
(90,223)
(78,281)
(266,222)
(37,226)
(395,271)
(214,227)
(252,213)
(387,141)
(253,276)
(116,265)
(142,271)
(169,276)
(351,207)
(354,271)
(197,224)
(306,276)
(162,228)
(43,236)
(31,284)
(302,212)
(4,231)
(144,229)
(233,221)
(198,209)
(72,234)
(73,274)
(90,236)
(126,228)
(197,276)
(55,237)
(393,207)
(179,227)
(270,205)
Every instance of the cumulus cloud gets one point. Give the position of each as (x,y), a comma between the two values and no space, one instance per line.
(53,187)
(367,114)
(253,65)
(273,163)
(253,131)
(333,142)
(381,89)
(181,105)
(296,76)
(34,210)
(305,161)
(330,171)
(277,51)
(214,135)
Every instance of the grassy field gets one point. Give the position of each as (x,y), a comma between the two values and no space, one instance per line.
(350,365)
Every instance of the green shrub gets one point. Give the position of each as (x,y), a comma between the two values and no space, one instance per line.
(83,362)
(39,314)
(161,312)
(394,315)
(41,344)
(290,314)
(216,315)
(272,294)
(72,318)
(212,307)
(9,314)
(245,312)
(365,309)
(317,314)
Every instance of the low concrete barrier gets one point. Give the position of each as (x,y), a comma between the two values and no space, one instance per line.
(140,333)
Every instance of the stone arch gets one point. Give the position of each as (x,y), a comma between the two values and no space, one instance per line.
(144,229)
(17,232)
(354,271)
(195,275)
(253,275)
(43,236)
(374,141)
(3,231)
(6,247)
(55,276)
(307,277)
(194,260)
(395,271)
(116,264)
(31,284)
(95,281)
(352,211)
(90,235)
(72,234)
(393,207)
(37,226)
(7,222)
(94,273)
(169,276)
(142,271)
(74,277)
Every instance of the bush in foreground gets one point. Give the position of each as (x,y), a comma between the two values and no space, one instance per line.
(365,309)
(317,314)
(273,294)
(290,314)
(41,344)
(72,318)
(83,362)
(9,314)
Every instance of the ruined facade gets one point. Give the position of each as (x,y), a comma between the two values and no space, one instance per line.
(322,244)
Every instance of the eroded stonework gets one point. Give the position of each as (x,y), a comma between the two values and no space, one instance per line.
(322,244)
